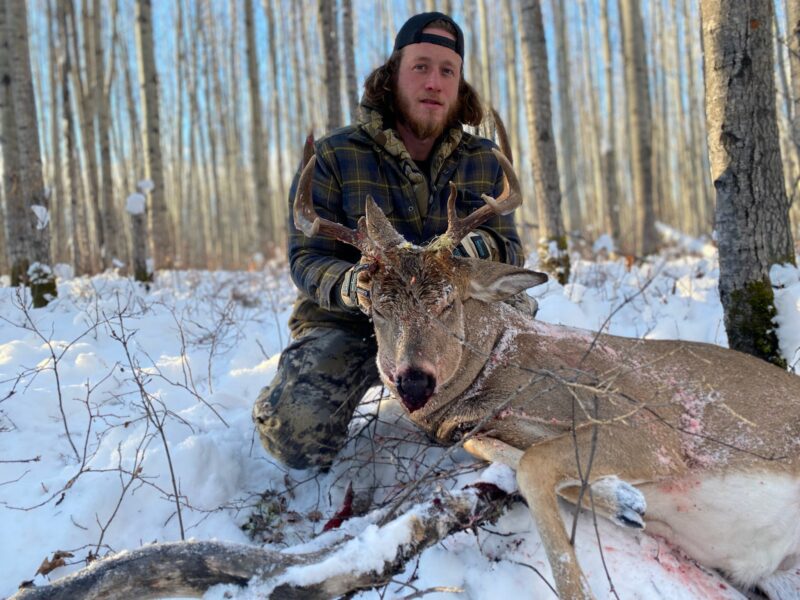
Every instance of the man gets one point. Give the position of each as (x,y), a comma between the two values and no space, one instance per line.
(406,147)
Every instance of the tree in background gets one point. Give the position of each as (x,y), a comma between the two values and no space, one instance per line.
(552,237)
(27,220)
(330,50)
(159,220)
(637,87)
(752,214)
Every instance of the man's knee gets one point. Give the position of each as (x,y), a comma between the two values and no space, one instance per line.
(294,433)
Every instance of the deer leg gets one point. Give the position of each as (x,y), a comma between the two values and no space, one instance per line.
(549,469)
(539,477)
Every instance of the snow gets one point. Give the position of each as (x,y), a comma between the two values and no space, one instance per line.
(42,216)
(135,204)
(192,353)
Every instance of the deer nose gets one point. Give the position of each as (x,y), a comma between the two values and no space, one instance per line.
(415,388)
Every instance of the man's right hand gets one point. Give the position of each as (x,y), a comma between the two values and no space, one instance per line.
(355,289)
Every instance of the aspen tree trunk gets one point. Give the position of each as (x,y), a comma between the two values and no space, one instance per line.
(349,58)
(752,216)
(512,91)
(17,226)
(688,208)
(488,94)
(137,152)
(566,136)
(594,152)
(552,238)
(79,248)
(698,148)
(228,252)
(637,88)
(330,52)
(109,214)
(266,227)
(278,206)
(59,238)
(793,38)
(609,161)
(4,268)
(662,146)
(184,207)
(27,195)
(158,217)
(83,74)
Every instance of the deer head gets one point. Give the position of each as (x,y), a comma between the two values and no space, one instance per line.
(420,296)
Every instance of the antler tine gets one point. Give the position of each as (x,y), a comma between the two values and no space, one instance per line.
(310,223)
(506,203)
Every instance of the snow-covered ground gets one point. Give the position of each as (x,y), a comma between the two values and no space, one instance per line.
(113,399)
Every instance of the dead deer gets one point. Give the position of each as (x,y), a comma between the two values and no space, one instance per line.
(696,442)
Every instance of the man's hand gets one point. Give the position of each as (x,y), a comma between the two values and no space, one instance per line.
(478,244)
(355,289)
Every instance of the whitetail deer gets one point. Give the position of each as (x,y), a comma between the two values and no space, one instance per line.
(706,439)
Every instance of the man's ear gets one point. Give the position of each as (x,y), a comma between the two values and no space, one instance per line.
(493,281)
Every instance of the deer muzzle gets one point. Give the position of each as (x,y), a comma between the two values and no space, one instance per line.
(415,388)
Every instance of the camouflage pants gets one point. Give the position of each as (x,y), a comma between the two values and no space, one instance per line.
(303,415)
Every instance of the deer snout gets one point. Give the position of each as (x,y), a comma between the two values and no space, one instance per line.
(415,388)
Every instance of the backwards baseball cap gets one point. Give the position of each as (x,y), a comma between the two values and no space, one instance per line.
(411,33)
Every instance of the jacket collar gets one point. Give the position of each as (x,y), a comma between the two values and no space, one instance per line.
(371,123)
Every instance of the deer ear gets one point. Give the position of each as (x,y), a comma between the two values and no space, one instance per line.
(492,281)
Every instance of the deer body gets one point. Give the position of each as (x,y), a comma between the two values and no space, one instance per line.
(699,443)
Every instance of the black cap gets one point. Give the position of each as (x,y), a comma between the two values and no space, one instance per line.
(411,33)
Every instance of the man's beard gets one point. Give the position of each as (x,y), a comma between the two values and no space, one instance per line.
(430,127)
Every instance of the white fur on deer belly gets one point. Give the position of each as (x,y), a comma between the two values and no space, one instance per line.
(747,524)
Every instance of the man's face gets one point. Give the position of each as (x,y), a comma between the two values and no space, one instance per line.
(427,87)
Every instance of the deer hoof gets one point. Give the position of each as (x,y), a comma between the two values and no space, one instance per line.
(631,506)
(625,504)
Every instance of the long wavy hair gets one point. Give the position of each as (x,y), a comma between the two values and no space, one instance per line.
(380,93)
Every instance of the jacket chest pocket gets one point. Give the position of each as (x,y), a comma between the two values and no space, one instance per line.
(354,201)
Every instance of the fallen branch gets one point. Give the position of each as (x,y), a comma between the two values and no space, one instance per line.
(190,568)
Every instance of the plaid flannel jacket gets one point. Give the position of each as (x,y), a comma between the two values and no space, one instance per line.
(363,159)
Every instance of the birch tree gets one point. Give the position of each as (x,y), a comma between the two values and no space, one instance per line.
(752,214)
(27,232)
(158,217)
(552,237)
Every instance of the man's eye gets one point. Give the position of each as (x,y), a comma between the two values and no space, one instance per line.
(419,67)
(449,72)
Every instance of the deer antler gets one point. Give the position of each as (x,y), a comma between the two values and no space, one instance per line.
(506,203)
(375,233)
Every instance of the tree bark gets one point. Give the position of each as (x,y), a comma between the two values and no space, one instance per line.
(24,190)
(552,238)
(752,215)
(159,219)
(109,212)
(330,51)
(637,88)
(350,58)
(258,142)
(610,185)
(566,103)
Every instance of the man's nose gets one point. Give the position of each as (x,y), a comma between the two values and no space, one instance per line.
(434,81)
